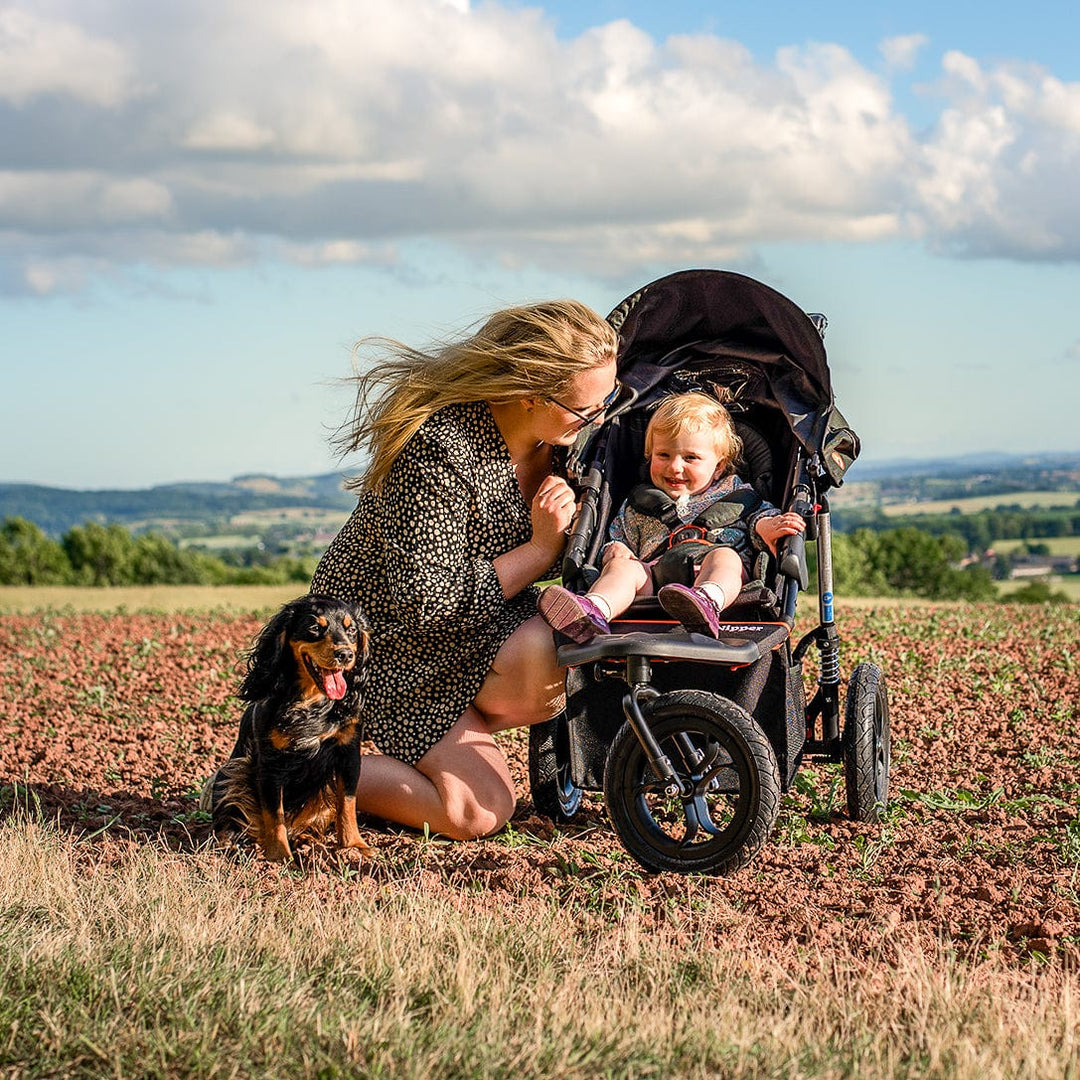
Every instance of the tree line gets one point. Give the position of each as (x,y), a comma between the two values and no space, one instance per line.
(96,554)
(979,530)
(897,562)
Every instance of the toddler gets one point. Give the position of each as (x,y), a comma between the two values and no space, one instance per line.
(695,506)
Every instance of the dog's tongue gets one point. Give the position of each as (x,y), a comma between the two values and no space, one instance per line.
(333,684)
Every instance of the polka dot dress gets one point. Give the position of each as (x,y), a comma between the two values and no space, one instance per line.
(417,557)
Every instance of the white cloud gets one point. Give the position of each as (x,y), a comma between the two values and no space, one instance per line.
(222,131)
(901,52)
(41,56)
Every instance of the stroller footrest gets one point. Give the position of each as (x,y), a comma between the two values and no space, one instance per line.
(738,644)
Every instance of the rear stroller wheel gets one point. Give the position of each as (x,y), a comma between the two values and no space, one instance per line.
(866,743)
(729,773)
(553,791)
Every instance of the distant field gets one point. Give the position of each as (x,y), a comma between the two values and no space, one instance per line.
(1058,545)
(1026,499)
(1070,586)
(20,600)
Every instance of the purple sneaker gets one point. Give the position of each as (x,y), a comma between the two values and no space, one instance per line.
(575,616)
(694,609)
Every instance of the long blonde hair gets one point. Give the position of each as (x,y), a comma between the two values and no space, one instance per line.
(531,350)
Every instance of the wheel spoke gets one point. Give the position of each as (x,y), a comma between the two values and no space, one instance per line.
(698,817)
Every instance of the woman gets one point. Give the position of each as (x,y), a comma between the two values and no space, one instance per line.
(461,510)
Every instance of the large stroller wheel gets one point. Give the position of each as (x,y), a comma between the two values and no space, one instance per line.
(729,769)
(866,743)
(553,792)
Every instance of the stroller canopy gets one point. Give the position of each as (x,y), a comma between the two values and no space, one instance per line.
(743,335)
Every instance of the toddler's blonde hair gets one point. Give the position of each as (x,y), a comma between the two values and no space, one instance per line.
(691,414)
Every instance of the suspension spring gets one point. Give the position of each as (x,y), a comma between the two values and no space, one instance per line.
(830,663)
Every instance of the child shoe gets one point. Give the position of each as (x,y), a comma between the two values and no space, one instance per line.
(575,616)
(696,610)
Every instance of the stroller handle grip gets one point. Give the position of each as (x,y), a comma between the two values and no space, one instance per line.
(793,552)
(584,524)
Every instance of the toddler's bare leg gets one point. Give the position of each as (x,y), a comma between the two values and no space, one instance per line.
(622,578)
(723,567)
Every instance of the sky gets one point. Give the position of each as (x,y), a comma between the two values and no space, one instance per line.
(205,204)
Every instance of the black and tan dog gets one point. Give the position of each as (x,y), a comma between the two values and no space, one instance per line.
(296,762)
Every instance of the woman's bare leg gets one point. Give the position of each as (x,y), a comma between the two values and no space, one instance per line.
(461,787)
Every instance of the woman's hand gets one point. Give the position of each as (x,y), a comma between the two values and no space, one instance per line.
(772,529)
(553,509)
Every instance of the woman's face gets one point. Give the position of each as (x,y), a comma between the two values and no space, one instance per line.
(559,422)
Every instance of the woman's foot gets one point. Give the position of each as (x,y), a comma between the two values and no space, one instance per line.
(695,609)
(575,616)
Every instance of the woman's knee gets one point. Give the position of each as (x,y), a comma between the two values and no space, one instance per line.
(525,684)
(471,778)
(472,815)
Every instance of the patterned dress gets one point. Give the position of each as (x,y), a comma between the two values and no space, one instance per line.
(417,556)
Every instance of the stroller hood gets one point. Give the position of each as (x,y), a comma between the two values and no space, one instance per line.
(745,336)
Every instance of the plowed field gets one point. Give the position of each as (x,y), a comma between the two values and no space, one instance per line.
(110,724)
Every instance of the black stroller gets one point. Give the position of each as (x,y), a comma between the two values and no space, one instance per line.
(693,739)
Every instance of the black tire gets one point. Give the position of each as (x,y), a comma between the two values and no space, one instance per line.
(553,792)
(866,744)
(719,748)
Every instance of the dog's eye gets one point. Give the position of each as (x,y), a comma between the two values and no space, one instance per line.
(315,631)
(350,631)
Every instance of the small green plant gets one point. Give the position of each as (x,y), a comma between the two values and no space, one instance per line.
(959,799)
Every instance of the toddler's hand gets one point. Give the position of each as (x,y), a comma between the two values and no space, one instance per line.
(773,529)
(616,549)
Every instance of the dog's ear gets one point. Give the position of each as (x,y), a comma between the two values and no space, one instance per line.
(270,665)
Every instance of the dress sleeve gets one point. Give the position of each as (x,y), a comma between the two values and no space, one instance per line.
(427,505)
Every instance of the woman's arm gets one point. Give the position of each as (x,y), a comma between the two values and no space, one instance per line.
(552,512)
(424,507)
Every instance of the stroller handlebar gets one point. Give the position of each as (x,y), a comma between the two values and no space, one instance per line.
(792,557)
(584,523)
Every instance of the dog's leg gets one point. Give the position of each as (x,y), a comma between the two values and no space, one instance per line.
(348,833)
(273,837)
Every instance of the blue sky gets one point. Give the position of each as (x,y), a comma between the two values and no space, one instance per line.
(203,205)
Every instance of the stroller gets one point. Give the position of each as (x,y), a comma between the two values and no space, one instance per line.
(693,739)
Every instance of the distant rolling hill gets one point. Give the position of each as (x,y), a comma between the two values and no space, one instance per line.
(56,510)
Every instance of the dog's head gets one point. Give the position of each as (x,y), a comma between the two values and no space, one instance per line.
(315,646)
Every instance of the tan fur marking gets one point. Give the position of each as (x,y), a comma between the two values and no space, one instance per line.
(273,837)
(279,740)
(348,832)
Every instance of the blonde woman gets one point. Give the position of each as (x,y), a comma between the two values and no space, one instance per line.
(461,510)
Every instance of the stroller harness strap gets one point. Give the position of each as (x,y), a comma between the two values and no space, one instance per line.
(725,513)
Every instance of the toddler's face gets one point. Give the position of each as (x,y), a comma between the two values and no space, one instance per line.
(684,464)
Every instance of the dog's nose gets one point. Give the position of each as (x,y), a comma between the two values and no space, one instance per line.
(344,656)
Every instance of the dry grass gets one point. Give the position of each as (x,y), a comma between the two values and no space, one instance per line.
(168,965)
(27,599)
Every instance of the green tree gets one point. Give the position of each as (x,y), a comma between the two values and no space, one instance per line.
(100,554)
(29,557)
(1036,592)
(157,561)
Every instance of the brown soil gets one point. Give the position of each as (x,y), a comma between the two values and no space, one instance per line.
(110,724)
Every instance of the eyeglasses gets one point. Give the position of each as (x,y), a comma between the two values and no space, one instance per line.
(589,418)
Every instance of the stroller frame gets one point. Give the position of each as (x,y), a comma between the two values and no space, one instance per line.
(692,777)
